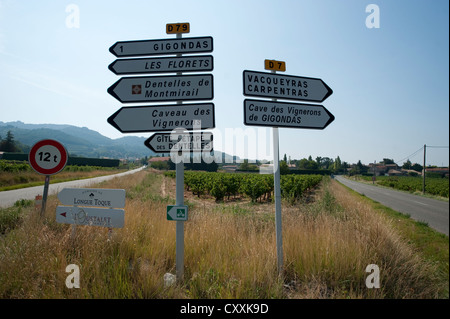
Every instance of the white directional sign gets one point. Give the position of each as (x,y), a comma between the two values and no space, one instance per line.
(187,142)
(163,88)
(162,46)
(262,84)
(177,212)
(279,114)
(91,216)
(160,118)
(97,197)
(195,63)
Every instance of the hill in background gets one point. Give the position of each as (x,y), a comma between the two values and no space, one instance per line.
(79,141)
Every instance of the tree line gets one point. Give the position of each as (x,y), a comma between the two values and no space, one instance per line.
(8,144)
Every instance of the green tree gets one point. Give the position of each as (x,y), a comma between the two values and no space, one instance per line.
(244,166)
(407,165)
(326,163)
(8,144)
(307,164)
(417,167)
(337,164)
(319,161)
(284,169)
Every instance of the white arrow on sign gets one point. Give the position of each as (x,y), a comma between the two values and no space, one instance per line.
(177,212)
(280,86)
(162,46)
(163,88)
(194,63)
(96,197)
(280,114)
(163,118)
(186,142)
(91,216)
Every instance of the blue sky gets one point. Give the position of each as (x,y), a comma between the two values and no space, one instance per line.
(390,84)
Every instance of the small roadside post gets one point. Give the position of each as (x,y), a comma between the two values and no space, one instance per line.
(47,157)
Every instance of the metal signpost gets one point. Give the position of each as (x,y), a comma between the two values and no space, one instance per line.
(47,157)
(191,142)
(293,115)
(280,114)
(163,88)
(180,45)
(91,207)
(194,63)
(157,118)
(160,118)
(90,216)
(263,84)
(97,197)
(178,213)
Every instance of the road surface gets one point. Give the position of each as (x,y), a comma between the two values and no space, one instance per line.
(8,198)
(432,211)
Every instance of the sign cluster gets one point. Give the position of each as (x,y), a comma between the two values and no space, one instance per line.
(279,86)
(165,88)
(177,118)
(281,114)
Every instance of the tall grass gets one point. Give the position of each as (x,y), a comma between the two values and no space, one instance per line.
(330,245)
(229,250)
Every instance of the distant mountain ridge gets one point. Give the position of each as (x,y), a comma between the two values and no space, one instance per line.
(79,141)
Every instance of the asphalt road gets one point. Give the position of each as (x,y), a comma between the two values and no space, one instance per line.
(432,211)
(8,198)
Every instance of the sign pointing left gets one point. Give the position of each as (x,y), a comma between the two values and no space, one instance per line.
(90,216)
(163,118)
(162,47)
(187,142)
(163,88)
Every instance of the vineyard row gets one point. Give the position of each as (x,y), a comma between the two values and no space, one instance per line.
(256,186)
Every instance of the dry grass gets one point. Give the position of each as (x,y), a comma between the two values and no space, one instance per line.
(229,250)
(331,242)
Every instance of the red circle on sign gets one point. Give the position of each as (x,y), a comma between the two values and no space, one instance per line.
(60,160)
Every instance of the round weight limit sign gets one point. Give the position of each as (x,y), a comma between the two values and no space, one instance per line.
(48,157)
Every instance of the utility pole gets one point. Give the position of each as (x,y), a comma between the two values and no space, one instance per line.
(423,172)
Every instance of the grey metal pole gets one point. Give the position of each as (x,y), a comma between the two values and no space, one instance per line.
(423,176)
(277,195)
(45,194)
(179,258)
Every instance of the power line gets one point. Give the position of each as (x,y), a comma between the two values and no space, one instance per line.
(409,156)
(419,150)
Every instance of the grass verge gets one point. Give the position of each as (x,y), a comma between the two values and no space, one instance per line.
(230,250)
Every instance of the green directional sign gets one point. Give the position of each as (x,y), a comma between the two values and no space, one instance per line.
(177,212)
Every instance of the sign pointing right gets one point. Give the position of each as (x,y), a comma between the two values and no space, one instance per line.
(281,86)
(279,114)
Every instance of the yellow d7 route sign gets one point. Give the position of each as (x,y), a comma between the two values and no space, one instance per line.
(274,65)
(173,28)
